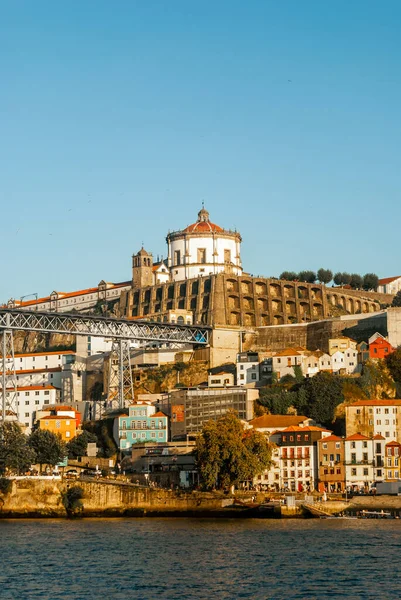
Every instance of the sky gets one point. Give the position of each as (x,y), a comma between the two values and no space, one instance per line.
(117,119)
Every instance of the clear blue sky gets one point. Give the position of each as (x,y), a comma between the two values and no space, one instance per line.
(118,118)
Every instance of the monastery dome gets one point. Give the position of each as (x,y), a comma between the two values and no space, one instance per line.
(203,225)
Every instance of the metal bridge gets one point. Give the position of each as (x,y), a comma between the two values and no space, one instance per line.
(121,331)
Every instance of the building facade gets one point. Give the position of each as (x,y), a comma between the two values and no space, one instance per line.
(374,417)
(144,423)
(331,457)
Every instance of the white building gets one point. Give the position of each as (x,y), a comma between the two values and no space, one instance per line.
(203,248)
(247,368)
(285,361)
(30,399)
(389,285)
(359,461)
(79,300)
(220,380)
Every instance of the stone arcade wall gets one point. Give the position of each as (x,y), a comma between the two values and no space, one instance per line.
(244,302)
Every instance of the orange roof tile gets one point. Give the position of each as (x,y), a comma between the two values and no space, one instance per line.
(267,421)
(307,428)
(52,353)
(56,417)
(330,438)
(158,414)
(393,444)
(357,436)
(381,402)
(288,352)
(26,388)
(388,280)
(378,437)
(25,371)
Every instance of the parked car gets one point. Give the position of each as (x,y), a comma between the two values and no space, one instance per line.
(71,474)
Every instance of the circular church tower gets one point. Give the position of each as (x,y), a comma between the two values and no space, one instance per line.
(202,249)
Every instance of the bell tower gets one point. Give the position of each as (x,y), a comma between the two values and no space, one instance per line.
(142,265)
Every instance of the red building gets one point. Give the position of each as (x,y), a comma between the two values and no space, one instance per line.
(380,348)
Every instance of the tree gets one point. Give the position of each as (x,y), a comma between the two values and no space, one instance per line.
(78,446)
(49,447)
(227,453)
(15,454)
(324,275)
(277,399)
(307,276)
(393,362)
(370,281)
(289,276)
(342,278)
(319,396)
(356,281)
(397,299)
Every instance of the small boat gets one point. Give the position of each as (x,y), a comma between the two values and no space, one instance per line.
(374,514)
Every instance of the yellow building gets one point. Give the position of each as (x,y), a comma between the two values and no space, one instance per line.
(341,344)
(64,425)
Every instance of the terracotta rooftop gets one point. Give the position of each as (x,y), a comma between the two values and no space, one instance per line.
(158,414)
(331,438)
(378,437)
(288,352)
(393,444)
(357,436)
(387,280)
(269,421)
(382,402)
(308,428)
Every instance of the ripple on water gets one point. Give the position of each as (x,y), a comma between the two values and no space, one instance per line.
(178,559)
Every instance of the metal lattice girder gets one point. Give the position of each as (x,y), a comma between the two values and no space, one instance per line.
(120,387)
(8,380)
(103,327)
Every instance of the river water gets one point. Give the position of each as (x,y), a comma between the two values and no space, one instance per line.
(174,559)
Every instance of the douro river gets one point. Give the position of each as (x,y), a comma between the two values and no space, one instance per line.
(181,559)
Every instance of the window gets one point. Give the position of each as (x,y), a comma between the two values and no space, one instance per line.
(37,402)
(36,393)
(338,471)
(378,448)
(253,375)
(338,458)
(306,437)
(324,445)
(353,472)
(396,474)
(26,414)
(365,457)
(353,445)
(389,462)
(379,472)
(389,474)
(67,434)
(366,472)
(378,422)
(177,257)
(26,393)
(47,393)
(353,458)
(338,445)
(160,434)
(378,411)
(26,402)
(227,256)
(365,444)
(201,255)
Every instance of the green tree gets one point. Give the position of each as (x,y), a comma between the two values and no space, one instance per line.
(15,454)
(397,299)
(393,362)
(324,276)
(370,281)
(289,275)
(78,446)
(356,281)
(319,396)
(342,278)
(49,447)
(307,276)
(227,453)
(277,399)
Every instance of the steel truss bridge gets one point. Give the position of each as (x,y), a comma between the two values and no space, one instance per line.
(122,332)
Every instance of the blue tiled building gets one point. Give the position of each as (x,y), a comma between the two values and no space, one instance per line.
(143,424)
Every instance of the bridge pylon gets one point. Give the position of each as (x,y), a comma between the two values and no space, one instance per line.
(120,392)
(8,380)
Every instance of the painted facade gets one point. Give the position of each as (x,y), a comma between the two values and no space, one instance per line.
(143,424)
